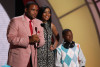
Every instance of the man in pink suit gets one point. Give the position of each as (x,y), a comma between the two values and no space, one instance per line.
(24,32)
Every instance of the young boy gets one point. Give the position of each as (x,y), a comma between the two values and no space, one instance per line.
(69,53)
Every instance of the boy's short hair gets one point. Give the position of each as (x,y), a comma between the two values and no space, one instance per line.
(65,31)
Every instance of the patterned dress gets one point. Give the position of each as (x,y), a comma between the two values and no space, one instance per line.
(45,57)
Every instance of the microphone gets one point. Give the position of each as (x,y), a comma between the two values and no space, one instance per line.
(36,33)
(36,29)
(42,24)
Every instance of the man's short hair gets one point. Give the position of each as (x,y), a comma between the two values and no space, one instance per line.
(31,3)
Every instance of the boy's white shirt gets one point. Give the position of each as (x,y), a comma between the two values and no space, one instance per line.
(81,58)
(58,64)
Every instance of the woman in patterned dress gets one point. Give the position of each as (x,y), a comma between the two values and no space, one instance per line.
(45,54)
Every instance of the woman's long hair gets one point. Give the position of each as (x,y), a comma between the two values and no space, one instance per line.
(40,13)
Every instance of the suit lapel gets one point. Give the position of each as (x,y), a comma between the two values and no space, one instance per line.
(26,25)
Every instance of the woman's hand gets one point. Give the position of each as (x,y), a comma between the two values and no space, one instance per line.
(52,47)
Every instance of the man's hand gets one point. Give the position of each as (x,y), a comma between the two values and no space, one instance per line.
(34,39)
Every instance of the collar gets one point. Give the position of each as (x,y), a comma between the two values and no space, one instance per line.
(27,19)
(68,45)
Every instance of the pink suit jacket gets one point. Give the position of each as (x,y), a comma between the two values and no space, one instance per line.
(18,36)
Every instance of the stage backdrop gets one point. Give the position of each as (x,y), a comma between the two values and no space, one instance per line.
(7,11)
(77,15)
